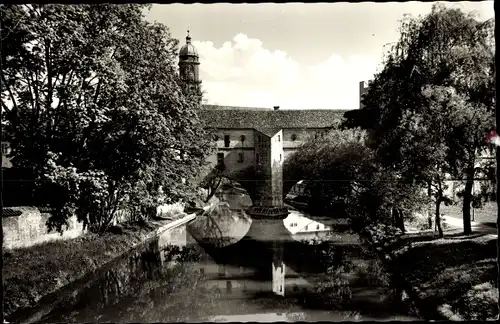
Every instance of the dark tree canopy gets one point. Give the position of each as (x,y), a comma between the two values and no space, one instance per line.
(93,108)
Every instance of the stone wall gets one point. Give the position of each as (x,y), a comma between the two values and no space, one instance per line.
(29,228)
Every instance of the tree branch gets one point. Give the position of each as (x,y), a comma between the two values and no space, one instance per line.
(61,84)
(28,77)
(4,81)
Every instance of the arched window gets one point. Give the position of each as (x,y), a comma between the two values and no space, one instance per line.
(294,137)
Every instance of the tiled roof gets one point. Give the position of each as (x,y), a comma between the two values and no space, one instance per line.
(264,118)
(269,131)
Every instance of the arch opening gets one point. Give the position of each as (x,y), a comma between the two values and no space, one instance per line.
(224,220)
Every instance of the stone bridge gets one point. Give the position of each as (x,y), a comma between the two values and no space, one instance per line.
(263,181)
(262,177)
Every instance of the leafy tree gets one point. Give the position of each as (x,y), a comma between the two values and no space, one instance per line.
(95,111)
(447,48)
(344,175)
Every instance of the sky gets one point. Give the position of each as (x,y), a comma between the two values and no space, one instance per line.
(295,55)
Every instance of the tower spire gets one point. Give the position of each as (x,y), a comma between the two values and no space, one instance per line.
(188,38)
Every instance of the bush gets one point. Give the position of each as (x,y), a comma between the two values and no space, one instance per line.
(480,303)
(334,293)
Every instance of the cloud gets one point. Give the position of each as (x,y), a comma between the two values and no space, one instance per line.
(243,72)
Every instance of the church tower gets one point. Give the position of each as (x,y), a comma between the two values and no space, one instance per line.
(189,67)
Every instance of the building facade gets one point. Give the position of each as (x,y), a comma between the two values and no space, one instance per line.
(255,137)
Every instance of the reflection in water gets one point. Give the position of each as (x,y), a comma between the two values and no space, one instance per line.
(160,282)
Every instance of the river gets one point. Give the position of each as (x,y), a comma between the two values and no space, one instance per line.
(165,283)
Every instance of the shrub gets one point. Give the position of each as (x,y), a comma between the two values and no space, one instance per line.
(479,303)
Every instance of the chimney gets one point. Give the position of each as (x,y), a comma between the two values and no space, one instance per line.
(276,107)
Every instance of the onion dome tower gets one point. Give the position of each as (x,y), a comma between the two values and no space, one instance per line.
(189,67)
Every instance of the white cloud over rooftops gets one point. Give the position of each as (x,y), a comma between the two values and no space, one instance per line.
(243,72)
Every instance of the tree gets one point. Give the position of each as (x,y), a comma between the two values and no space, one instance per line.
(345,177)
(93,104)
(446,48)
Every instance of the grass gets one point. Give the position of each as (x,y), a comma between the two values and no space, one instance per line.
(444,271)
(486,214)
(478,300)
(34,272)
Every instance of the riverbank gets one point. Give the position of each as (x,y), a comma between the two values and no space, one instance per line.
(457,274)
(451,278)
(30,274)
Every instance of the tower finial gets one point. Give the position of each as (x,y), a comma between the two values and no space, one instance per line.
(188,38)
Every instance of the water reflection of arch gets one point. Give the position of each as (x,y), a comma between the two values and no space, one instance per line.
(248,247)
(252,248)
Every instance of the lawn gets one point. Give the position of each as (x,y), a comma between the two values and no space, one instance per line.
(487,214)
(34,272)
(457,272)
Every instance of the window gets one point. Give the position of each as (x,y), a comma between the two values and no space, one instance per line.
(317,227)
(220,158)
(279,138)
(259,139)
(226,141)
(294,137)
(257,158)
(306,227)
(240,157)
(242,138)
(280,157)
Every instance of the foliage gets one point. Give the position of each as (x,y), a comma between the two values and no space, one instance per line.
(334,293)
(344,175)
(479,303)
(440,74)
(94,109)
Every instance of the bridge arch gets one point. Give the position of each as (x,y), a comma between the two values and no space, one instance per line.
(243,181)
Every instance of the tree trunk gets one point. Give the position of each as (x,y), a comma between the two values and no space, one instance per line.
(467,201)
(438,218)
(400,220)
(498,214)
(429,217)
(497,149)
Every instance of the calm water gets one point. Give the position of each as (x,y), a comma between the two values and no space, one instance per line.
(163,284)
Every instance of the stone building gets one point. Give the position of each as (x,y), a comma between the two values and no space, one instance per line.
(260,137)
